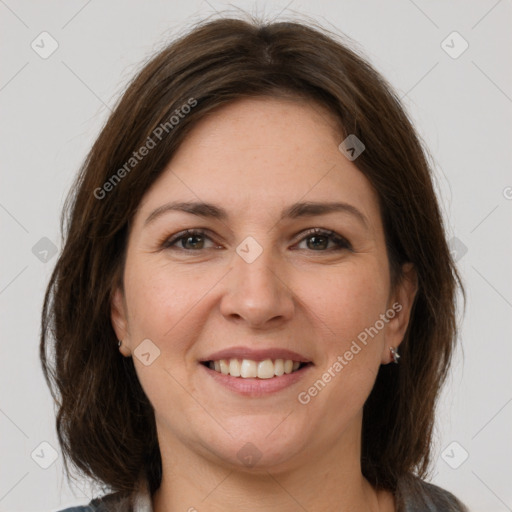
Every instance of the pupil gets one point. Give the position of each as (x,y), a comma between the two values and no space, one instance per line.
(193,237)
(315,244)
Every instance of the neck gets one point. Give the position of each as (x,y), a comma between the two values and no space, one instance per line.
(317,480)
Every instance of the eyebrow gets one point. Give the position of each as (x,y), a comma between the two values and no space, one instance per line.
(294,211)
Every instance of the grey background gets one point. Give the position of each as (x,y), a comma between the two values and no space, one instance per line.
(52,110)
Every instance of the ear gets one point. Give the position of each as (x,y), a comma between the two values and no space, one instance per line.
(400,304)
(118,317)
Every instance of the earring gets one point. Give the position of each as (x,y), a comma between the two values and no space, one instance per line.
(394,354)
(119,343)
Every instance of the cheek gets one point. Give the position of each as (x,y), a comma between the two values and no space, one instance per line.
(160,297)
(161,307)
(348,301)
(350,306)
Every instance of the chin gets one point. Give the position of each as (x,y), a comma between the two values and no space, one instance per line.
(257,447)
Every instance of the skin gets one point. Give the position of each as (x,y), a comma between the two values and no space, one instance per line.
(255,157)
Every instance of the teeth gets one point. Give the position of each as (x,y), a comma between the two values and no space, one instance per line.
(265,369)
(247,368)
(234,367)
(279,367)
(224,366)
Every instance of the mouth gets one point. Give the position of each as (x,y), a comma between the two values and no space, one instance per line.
(253,369)
(255,372)
(254,379)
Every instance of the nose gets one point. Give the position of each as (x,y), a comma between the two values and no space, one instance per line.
(257,292)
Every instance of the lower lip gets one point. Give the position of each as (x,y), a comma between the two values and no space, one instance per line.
(255,387)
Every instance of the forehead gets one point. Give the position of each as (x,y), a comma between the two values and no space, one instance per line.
(255,129)
(261,154)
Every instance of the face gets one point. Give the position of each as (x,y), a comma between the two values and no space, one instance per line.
(261,276)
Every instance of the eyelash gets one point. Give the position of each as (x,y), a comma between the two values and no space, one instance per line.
(341,242)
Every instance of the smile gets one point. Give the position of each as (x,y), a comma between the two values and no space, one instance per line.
(248,368)
(255,378)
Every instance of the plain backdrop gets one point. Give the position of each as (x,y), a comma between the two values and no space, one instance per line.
(460,98)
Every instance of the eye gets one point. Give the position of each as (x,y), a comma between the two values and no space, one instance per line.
(189,240)
(318,240)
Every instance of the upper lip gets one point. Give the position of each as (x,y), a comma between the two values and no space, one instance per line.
(256,354)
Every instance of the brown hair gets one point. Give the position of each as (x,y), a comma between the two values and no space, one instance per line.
(105,423)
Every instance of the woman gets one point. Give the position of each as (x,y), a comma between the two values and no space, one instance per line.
(254,308)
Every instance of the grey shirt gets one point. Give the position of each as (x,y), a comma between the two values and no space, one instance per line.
(412,495)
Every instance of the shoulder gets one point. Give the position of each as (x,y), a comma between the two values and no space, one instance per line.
(85,508)
(80,508)
(416,495)
(138,500)
(118,502)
